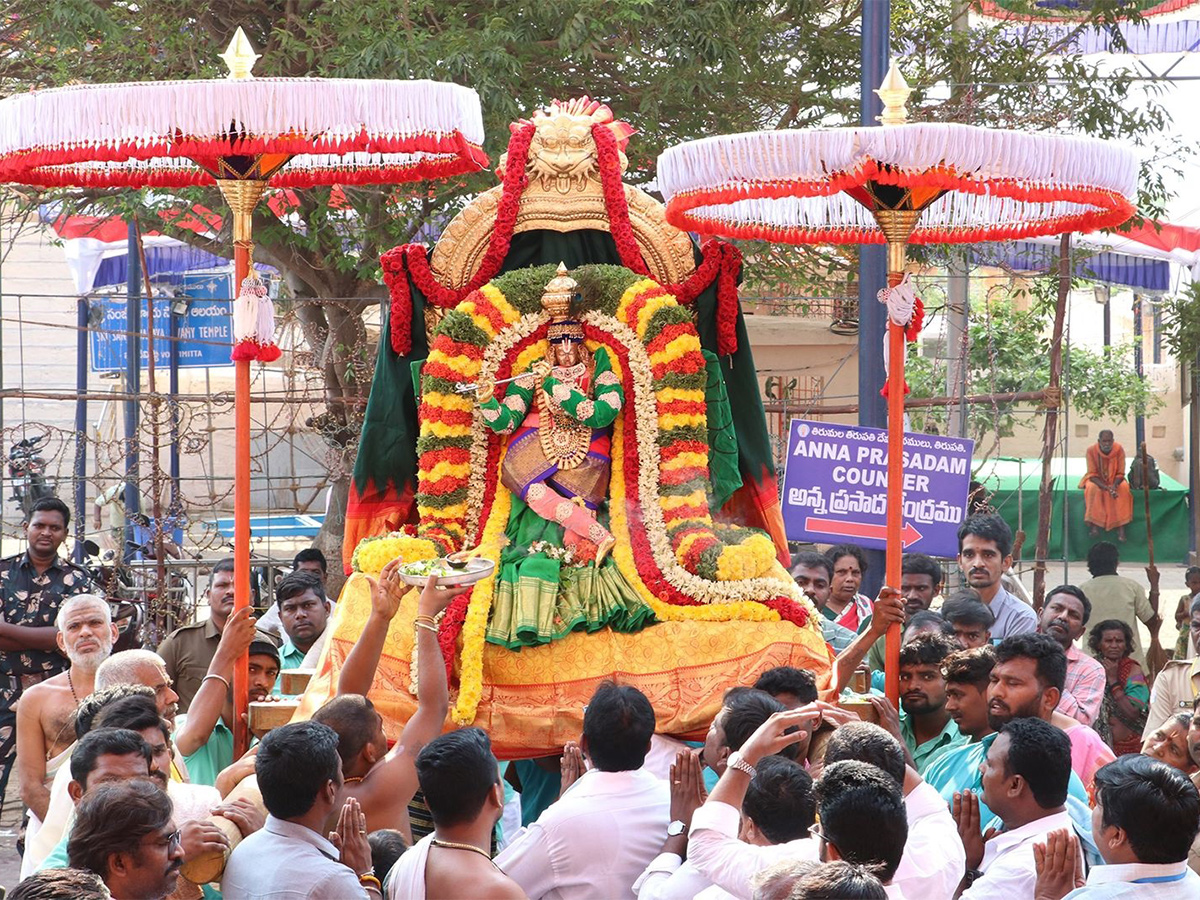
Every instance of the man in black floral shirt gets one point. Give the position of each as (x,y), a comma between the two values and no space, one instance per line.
(32,587)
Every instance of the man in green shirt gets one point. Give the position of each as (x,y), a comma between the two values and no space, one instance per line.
(207,761)
(303,613)
(926,726)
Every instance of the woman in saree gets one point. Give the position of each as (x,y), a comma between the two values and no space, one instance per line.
(1126,693)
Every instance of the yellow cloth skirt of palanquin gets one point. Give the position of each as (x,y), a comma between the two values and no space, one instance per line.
(533,699)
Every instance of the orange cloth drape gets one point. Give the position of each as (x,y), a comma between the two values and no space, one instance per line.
(533,700)
(1101,508)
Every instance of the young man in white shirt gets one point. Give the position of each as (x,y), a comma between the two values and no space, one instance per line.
(609,824)
(300,775)
(778,809)
(1146,815)
(845,791)
(934,859)
(1025,777)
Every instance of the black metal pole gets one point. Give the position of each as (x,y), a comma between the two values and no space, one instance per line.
(133,380)
(173,389)
(81,408)
(872,260)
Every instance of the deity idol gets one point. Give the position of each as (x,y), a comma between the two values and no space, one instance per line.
(559,413)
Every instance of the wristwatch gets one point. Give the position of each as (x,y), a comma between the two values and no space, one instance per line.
(737,762)
(676,828)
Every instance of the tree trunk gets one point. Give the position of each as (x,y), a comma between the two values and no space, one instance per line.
(1050,431)
(333,529)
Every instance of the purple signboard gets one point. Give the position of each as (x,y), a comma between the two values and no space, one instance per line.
(835,487)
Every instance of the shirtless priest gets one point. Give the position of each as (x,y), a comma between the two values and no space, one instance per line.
(384,781)
(46,711)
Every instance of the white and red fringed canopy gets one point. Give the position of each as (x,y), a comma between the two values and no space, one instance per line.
(809,186)
(172,133)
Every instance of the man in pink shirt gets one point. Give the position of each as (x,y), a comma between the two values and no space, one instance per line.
(1027,681)
(1064,618)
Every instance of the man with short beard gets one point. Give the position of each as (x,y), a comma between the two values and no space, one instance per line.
(984,555)
(46,711)
(1064,618)
(927,729)
(1027,681)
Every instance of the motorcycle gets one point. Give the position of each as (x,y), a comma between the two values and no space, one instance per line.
(114,583)
(27,469)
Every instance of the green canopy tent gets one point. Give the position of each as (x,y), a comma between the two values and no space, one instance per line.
(1013,484)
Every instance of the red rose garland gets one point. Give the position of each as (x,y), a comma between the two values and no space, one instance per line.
(410,260)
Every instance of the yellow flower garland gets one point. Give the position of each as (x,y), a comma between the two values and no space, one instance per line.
(474,630)
(744,611)
(373,553)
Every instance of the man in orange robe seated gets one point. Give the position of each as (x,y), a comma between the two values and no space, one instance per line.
(1107,500)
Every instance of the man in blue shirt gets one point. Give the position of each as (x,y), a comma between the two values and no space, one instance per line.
(984,555)
(967,673)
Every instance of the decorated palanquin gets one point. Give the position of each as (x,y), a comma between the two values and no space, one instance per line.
(565,387)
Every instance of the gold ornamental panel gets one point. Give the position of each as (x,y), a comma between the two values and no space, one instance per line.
(460,250)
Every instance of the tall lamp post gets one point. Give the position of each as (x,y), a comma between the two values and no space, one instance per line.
(242,134)
(901,184)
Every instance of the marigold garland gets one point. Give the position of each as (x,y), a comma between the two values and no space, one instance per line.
(474,628)
(373,553)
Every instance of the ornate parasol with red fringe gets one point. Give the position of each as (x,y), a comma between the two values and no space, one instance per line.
(921,183)
(242,134)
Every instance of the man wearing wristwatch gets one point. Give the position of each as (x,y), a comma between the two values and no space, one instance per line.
(778,809)
(1025,776)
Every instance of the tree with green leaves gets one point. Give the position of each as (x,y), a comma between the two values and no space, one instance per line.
(675,69)
(1009,353)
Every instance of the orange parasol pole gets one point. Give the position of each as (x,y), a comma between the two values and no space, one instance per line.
(242,195)
(897,225)
(895,486)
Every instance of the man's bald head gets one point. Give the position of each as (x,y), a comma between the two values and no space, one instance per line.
(140,667)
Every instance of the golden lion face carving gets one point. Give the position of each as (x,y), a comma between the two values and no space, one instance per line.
(562,154)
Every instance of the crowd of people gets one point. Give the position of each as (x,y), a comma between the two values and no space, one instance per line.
(1029,756)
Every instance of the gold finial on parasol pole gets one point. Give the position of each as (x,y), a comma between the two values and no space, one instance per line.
(894,93)
(239,56)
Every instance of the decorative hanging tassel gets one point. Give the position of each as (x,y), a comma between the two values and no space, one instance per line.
(906,310)
(254,322)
